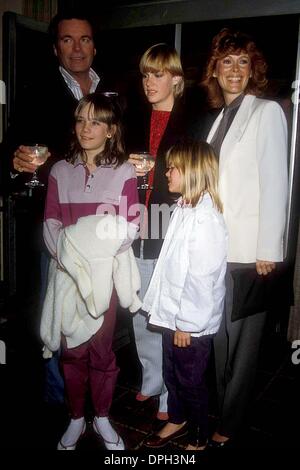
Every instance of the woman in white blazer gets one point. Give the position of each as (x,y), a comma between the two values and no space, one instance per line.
(250,137)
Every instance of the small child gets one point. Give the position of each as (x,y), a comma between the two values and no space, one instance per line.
(93,177)
(186,292)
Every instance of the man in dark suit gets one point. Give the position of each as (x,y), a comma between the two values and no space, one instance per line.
(45,114)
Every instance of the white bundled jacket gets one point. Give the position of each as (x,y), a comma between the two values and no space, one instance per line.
(77,296)
(187,288)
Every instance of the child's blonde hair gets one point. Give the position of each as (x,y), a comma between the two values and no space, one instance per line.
(162,57)
(197,163)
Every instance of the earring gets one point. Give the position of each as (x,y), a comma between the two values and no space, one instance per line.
(108,136)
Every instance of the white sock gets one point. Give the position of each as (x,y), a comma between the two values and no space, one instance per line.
(73,432)
(106,430)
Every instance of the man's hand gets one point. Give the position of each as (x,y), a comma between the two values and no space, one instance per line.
(182,339)
(135,159)
(264,267)
(22,160)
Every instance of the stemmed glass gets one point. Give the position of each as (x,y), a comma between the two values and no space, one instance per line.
(38,153)
(146,163)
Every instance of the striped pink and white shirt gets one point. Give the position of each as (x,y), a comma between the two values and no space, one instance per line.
(74,192)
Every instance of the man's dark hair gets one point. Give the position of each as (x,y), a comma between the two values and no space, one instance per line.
(72,15)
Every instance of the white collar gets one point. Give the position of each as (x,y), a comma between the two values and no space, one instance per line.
(74,85)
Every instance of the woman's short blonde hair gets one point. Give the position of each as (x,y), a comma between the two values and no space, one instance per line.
(197,163)
(162,57)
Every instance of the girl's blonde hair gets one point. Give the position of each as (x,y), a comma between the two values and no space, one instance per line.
(197,163)
(162,57)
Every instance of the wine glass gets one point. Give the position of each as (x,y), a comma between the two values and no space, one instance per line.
(38,152)
(146,163)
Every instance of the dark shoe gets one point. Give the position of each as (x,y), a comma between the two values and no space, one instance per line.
(156,441)
(196,437)
(157,425)
(219,445)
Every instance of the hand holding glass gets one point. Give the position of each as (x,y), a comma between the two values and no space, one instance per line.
(39,155)
(146,164)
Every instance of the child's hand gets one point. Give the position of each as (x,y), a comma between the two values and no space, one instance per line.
(182,339)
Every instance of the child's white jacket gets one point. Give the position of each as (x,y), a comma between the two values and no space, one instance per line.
(187,288)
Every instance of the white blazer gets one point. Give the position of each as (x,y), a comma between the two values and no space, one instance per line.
(253,180)
(187,288)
